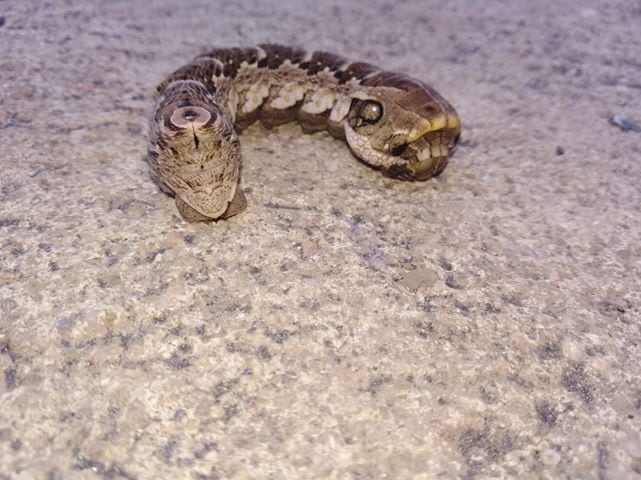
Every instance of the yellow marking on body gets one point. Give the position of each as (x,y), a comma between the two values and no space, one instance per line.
(453,121)
(425,126)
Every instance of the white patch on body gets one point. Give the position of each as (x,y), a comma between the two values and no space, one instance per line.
(321,101)
(255,97)
(261,53)
(232,104)
(340,110)
(288,96)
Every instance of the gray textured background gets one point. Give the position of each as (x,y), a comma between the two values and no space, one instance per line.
(481,325)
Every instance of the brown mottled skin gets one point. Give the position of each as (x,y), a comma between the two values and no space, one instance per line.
(390,121)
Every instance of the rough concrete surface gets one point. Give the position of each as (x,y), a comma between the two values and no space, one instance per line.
(485,324)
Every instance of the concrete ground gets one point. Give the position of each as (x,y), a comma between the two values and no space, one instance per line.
(485,324)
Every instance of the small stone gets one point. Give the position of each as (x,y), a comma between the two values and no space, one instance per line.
(571,350)
(109,318)
(550,457)
(632,445)
(624,123)
(421,279)
(559,150)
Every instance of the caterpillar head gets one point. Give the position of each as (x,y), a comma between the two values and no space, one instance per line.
(401,126)
(194,152)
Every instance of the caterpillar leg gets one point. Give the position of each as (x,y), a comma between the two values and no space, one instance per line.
(236,206)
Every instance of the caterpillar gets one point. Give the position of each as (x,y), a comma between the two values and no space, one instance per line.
(390,121)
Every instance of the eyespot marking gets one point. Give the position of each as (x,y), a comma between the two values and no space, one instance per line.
(190,116)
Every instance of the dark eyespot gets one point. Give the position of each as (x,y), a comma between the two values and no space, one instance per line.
(364,113)
(371,111)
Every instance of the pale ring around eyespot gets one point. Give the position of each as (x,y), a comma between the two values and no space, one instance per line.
(190,116)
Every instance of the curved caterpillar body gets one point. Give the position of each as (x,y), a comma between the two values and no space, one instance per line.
(390,121)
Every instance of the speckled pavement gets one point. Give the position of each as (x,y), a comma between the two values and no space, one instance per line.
(482,325)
